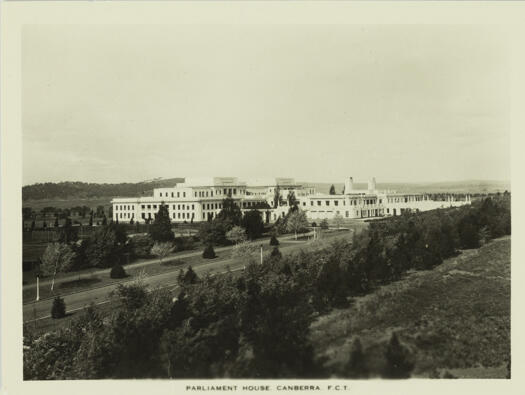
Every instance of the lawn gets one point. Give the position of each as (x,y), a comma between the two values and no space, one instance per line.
(454,319)
(170,264)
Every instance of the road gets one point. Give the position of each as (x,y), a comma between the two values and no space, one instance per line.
(144,263)
(79,300)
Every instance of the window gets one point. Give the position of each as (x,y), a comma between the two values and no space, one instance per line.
(328,202)
(178,207)
(211,193)
(192,206)
(318,202)
(346,214)
(183,194)
(178,215)
(143,207)
(173,215)
(206,193)
(235,191)
(336,202)
(225,191)
(311,203)
(173,207)
(149,206)
(143,215)
(172,194)
(154,206)
(178,194)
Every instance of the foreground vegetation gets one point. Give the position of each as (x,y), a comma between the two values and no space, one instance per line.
(259,324)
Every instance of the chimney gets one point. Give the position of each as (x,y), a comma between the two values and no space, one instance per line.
(372,184)
(349,185)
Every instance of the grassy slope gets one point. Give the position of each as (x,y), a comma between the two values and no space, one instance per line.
(455,317)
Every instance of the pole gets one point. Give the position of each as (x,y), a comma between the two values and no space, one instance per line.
(37,288)
(261,254)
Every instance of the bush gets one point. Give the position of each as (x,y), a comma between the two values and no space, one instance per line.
(324,224)
(274,241)
(141,246)
(58,310)
(356,366)
(209,252)
(276,253)
(117,271)
(399,364)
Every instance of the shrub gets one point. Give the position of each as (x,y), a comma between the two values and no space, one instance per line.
(117,271)
(356,366)
(274,241)
(276,253)
(141,246)
(399,364)
(58,310)
(209,252)
(324,224)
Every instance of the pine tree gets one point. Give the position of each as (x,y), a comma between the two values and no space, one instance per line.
(399,364)
(160,230)
(58,310)
(356,366)
(276,253)
(209,252)
(117,271)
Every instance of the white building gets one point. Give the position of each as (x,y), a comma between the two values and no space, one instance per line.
(198,200)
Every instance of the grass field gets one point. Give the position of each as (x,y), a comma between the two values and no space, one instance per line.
(454,319)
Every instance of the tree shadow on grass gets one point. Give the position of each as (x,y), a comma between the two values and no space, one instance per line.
(83,282)
(176,262)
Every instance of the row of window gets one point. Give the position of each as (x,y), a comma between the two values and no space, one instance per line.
(124,207)
(173,194)
(405,199)
(123,215)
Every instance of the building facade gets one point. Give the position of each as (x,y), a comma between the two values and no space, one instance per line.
(200,199)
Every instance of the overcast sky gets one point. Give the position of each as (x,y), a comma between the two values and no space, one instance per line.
(314,102)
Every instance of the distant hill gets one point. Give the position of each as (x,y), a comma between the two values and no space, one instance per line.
(468,186)
(83,190)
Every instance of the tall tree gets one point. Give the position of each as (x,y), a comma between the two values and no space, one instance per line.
(277,197)
(332,190)
(58,257)
(230,212)
(293,203)
(160,230)
(297,222)
(68,233)
(253,223)
(399,364)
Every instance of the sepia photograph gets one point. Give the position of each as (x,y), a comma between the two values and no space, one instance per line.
(268,201)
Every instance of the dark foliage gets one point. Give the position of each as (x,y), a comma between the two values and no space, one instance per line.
(274,241)
(63,190)
(255,324)
(209,252)
(253,224)
(117,271)
(160,230)
(356,366)
(399,363)
(58,309)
